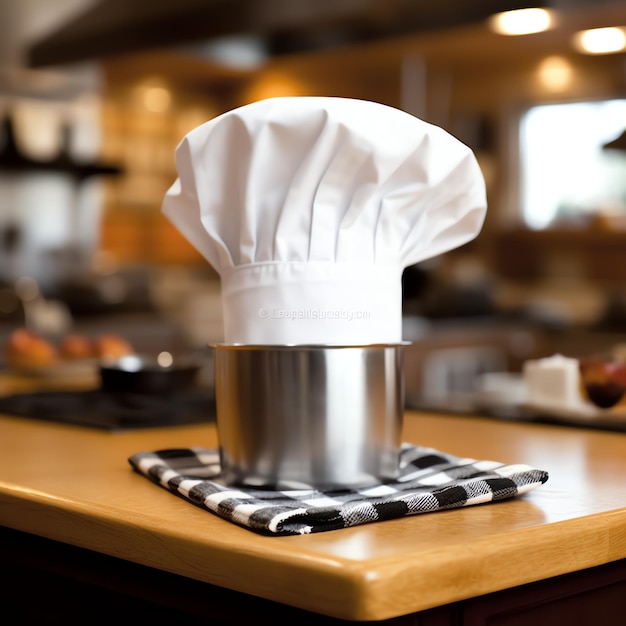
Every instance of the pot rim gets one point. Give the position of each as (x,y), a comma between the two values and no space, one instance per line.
(306,347)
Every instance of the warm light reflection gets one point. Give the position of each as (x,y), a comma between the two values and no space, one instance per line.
(275,84)
(600,40)
(555,73)
(157,99)
(165,359)
(521,21)
(153,95)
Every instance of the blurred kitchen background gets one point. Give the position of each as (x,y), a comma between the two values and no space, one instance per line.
(96,94)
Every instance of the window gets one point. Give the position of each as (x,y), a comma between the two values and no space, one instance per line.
(567,177)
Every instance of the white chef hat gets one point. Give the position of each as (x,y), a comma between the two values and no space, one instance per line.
(310,208)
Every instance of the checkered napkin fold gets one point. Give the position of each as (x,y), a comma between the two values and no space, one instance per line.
(429,480)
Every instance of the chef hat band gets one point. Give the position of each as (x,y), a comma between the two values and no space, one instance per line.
(311,207)
(313,303)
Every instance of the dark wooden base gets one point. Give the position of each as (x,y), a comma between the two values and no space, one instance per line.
(50,582)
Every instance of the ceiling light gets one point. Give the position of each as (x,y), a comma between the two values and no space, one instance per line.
(555,73)
(521,21)
(601,40)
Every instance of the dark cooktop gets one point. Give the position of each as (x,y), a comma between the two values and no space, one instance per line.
(113,411)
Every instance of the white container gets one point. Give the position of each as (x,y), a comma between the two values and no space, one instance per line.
(553,382)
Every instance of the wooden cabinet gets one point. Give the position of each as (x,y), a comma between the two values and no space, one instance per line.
(595,254)
(43,580)
(588,598)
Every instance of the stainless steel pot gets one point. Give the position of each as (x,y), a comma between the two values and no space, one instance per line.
(329,417)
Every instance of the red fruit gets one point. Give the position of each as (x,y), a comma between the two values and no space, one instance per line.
(112,347)
(76,347)
(25,349)
(617,373)
(603,382)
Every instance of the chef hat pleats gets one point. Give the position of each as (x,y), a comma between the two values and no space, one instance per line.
(310,209)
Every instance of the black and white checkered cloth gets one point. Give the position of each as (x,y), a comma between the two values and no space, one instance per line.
(430,480)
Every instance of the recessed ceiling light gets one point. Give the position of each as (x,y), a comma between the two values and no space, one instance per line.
(521,21)
(601,40)
(555,73)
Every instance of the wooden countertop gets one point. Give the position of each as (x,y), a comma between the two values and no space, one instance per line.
(75,485)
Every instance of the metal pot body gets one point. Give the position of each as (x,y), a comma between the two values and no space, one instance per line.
(328,417)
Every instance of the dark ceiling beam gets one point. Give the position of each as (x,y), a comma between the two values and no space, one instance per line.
(390,18)
(113,27)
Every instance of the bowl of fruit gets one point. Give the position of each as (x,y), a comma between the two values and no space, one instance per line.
(32,354)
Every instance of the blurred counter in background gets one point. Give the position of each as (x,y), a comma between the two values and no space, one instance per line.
(154,307)
(448,363)
(462,321)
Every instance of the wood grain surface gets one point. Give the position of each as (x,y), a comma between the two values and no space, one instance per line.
(74,485)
